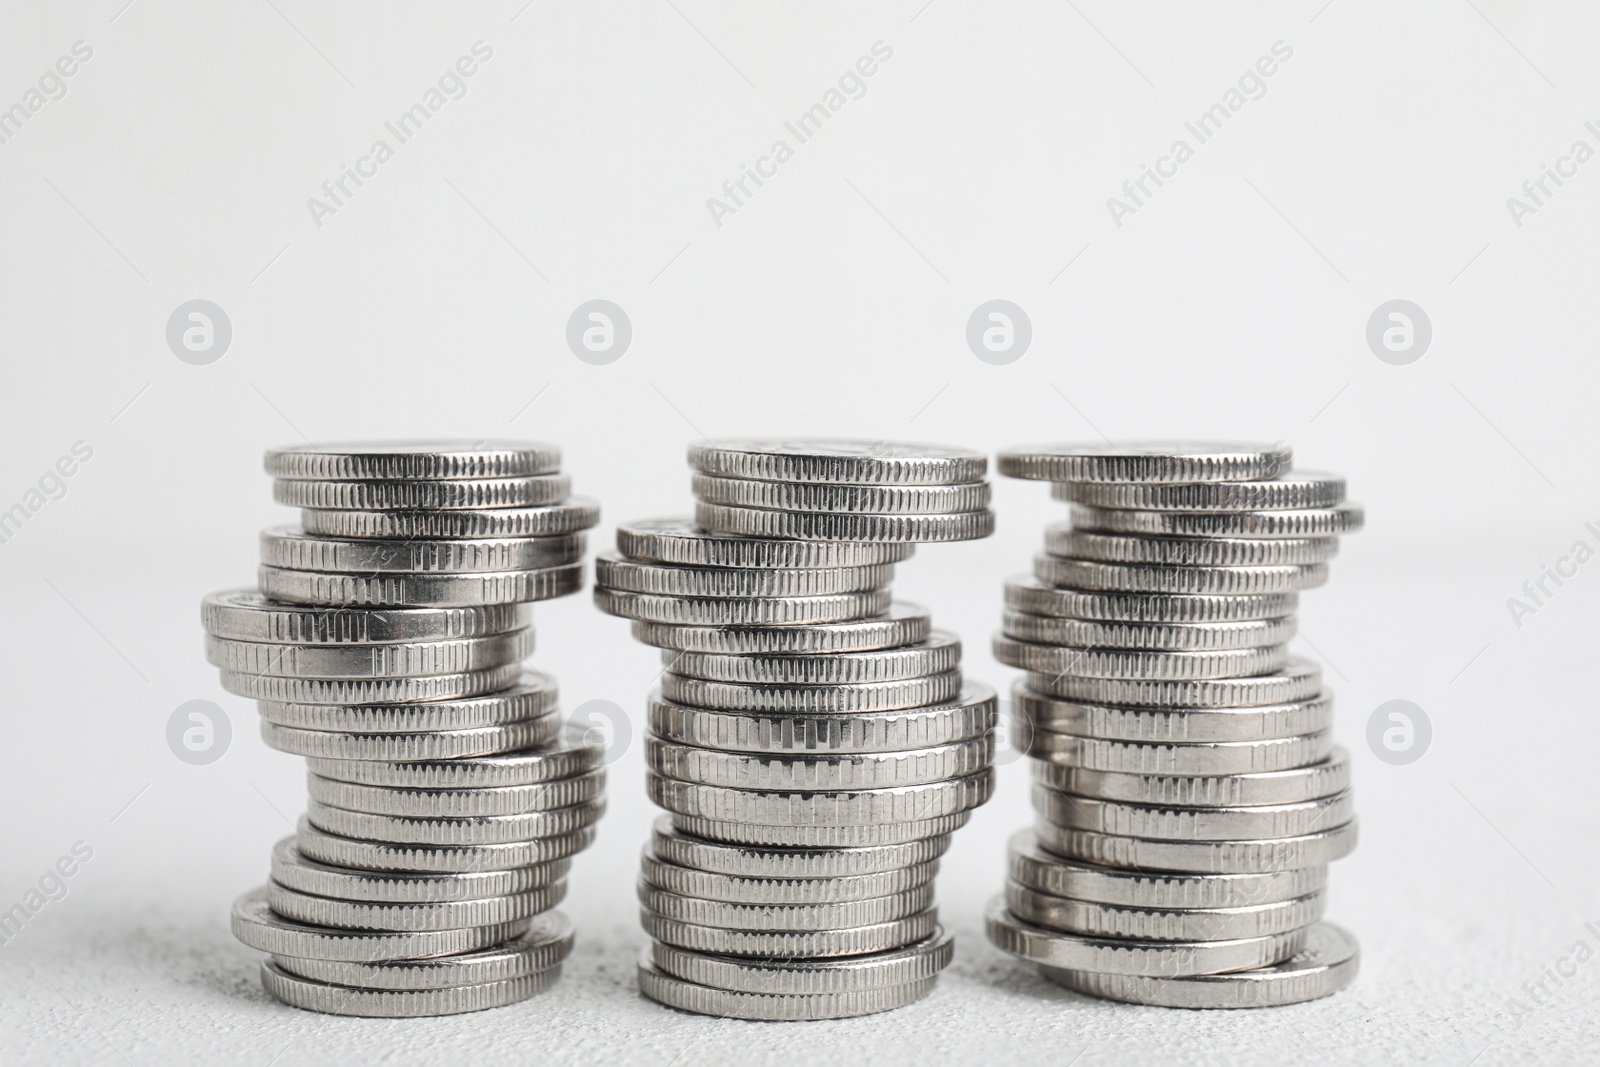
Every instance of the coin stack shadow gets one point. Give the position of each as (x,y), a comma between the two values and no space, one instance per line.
(1187,791)
(814,741)
(385,645)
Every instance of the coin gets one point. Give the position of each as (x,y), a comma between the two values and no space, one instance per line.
(840,697)
(1315,522)
(1294,491)
(396,660)
(1035,597)
(869,835)
(756,611)
(748,861)
(370,690)
(939,653)
(1105,723)
(412,915)
(822,526)
(257,925)
(477,830)
(1092,919)
(1260,856)
(414,460)
(293,549)
(792,944)
(343,851)
(856,807)
(457,803)
(430,745)
(900,624)
(294,871)
(832,915)
(1187,758)
(571,515)
(774,1007)
(679,540)
(1152,636)
(878,970)
(411,590)
(573,754)
(532,695)
(809,772)
(401,1003)
(1061,539)
(465,493)
(616,571)
(838,461)
(1299,679)
(735,889)
(1146,461)
(1191,824)
(248,615)
(842,499)
(1138,663)
(1299,782)
(1154,578)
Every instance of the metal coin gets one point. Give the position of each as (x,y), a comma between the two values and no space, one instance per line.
(1299,679)
(429,745)
(679,540)
(809,772)
(1110,722)
(939,653)
(397,660)
(833,915)
(870,835)
(1092,755)
(734,889)
(792,944)
(410,590)
(1146,461)
(1176,636)
(248,615)
(466,493)
(833,460)
(1091,919)
(822,526)
(1261,856)
(1316,522)
(255,924)
(842,499)
(293,870)
(457,803)
(1156,578)
(343,851)
(574,514)
(615,571)
(478,830)
(414,460)
(879,970)
(748,611)
(574,754)
(1171,823)
(841,697)
(533,695)
(774,1007)
(370,690)
(847,808)
(1138,663)
(294,549)
(1027,593)
(412,915)
(1061,539)
(1295,785)
(1296,490)
(901,624)
(750,861)
(401,1003)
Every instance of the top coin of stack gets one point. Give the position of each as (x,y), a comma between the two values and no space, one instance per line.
(1188,792)
(385,645)
(813,740)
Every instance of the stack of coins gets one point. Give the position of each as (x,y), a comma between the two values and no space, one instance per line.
(813,739)
(1188,793)
(385,645)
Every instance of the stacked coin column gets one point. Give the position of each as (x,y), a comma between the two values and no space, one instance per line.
(1188,793)
(385,645)
(812,739)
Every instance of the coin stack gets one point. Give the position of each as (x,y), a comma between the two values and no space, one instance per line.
(385,645)
(813,740)
(1188,793)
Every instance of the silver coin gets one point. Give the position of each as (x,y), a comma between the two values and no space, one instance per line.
(679,540)
(879,970)
(533,695)
(457,803)
(430,745)
(832,460)
(1296,490)
(293,549)
(774,1007)
(397,660)
(842,499)
(745,611)
(811,773)
(1326,964)
(1294,785)
(1061,539)
(574,753)
(842,697)
(869,835)
(1315,522)
(341,851)
(467,493)
(478,830)
(939,653)
(546,943)
(575,514)
(616,571)
(1031,866)
(1169,823)
(848,808)
(401,1003)
(1146,461)
(1155,636)
(734,889)
(822,526)
(1027,593)
(1138,663)
(1259,856)
(1115,955)
(1299,679)
(1154,578)
(294,871)
(832,915)
(901,624)
(425,590)
(1067,752)
(971,715)
(370,690)
(248,615)
(429,915)
(1109,722)
(1092,919)
(749,861)
(411,460)
(255,924)
(792,944)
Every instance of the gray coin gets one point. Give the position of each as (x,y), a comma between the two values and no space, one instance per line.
(255,924)
(1258,856)
(1299,679)
(534,694)
(293,549)
(457,803)
(1027,593)
(821,526)
(546,943)
(748,861)
(412,915)
(1138,663)
(1154,578)
(430,745)
(901,624)
(971,715)
(1325,778)
(248,615)
(467,493)
(574,514)
(810,773)
(834,460)
(1170,823)
(1146,461)
(1061,539)
(832,915)
(1092,919)
(879,970)
(1175,636)
(370,690)
(848,808)
(679,540)
(1294,491)
(1109,722)
(414,460)
(420,590)
(842,499)
(616,571)
(479,830)
(792,944)
(1036,944)
(1315,522)
(295,871)
(1031,866)
(1326,964)
(747,611)
(774,1007)
(395,660)
(573,753)
(401,1003)
(868,835)
(736,889)
(842,697)
(342,851)
(1072,753)
(939,653)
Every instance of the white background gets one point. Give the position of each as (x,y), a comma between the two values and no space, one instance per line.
(976,166)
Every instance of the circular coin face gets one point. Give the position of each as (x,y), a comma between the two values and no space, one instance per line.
(842,461)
